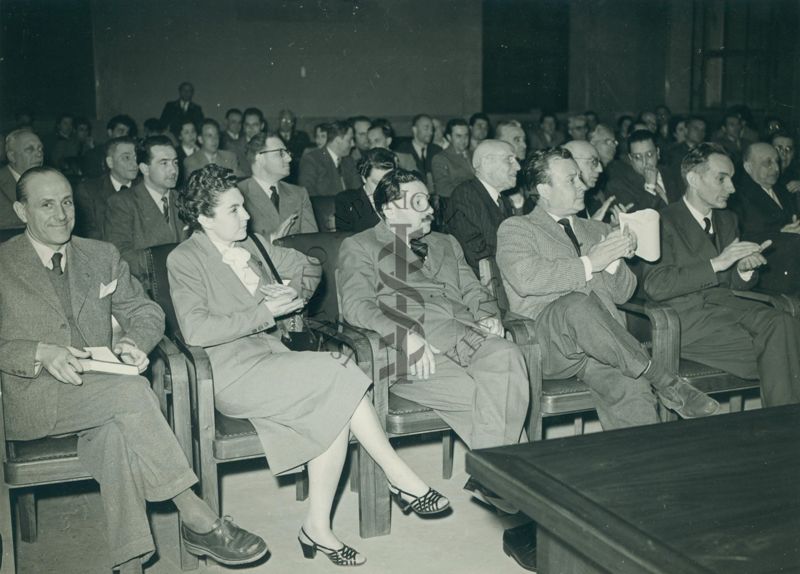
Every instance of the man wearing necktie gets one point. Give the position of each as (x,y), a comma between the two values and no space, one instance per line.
(453,166)
(146,214)
(478,207)
(276,208)
(330,169)
(178,112)
(441,325)
(58,294)
(702,262)
(569,274)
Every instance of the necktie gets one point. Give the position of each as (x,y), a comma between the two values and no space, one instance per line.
(707,228)
(56,259)
(570,233)
(422,155)
(123,187)
(165,204)
(275,198)
(419,248)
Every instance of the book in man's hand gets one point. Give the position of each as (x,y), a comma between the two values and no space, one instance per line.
(103,360)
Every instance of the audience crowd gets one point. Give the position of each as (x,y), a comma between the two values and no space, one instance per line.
(540,202)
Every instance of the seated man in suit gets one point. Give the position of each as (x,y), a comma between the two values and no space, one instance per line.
(330,169)
(91,196)
(638,180)
(547,134)
(702,261)
(511,132)
(61,298)
(209,151)
(296,141)
(577,127)
(381,134)
(420,146)
(178,112)
(767,210)
(479,128)
(360,126)
(568,274)
(355,208)
(790,174)
(231,138)
(253,123)
(94,160)
(276,208)
(146,215)
(605,142)
(24,150)
(453,165)
(442,326)
(478,206)
(730,136)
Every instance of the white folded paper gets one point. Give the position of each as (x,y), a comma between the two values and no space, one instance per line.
(645,225)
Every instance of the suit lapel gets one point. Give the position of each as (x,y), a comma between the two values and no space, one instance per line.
(6,175)
(693,234)
(548,225)
(289,201)
(82,284)
(32,272)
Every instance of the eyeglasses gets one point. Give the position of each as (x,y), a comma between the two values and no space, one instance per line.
(640,157)
(593,161)
(283,151)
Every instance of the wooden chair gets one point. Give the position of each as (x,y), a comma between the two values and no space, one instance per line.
(28,464)
(400,417)
(658,327)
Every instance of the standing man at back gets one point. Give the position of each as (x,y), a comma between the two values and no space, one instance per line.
(178,112)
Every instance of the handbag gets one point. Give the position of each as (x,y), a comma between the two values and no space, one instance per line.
(297,336)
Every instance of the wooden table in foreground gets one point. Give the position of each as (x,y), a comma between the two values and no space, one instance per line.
(715,495)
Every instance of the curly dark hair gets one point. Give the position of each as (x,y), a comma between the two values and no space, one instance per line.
(376,158)
(202,191)
(388,188)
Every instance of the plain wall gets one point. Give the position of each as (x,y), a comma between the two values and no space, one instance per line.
(327,59)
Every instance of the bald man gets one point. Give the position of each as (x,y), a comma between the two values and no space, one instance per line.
(478,207)
(24,151)
(768,211)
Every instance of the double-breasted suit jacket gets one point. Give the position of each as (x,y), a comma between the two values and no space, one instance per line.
(480,387)
(32,312)
(134,222)
(320,176)
(297,401)
(265,219)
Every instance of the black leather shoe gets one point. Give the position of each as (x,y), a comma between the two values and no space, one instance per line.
(226,543)
(489,497)
(520,544)
(686,400)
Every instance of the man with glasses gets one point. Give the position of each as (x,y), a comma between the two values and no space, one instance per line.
(604,141)
(276,208)
(478,207)
(638,180)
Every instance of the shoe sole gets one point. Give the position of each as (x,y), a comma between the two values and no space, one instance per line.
(514,557)
(496,503)
(201,552)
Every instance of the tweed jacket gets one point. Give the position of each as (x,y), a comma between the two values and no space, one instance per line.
(198,159)
(383,286)
(32,313)
(8,195)
(473,217)
(683,276)
(134,223)
(216,311)
(318,173)
(449,170)
(538,264)
(264,219)
(91,199)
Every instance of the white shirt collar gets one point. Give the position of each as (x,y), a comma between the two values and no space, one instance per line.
(117,183)
(336,158)
(265,185)
(14,173)
(492,191)
(699,217)
(232,136)
(188,150)
(157,197)
(45,253)
(558,218)
(418,147)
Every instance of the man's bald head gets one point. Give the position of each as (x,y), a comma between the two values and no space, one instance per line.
(495,162)
(588,159)
(762,164)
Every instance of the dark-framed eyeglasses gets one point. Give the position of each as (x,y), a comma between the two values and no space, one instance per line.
(283,151)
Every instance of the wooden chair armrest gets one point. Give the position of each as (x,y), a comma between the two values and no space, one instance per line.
(201,391)
(665,331)
(176,383)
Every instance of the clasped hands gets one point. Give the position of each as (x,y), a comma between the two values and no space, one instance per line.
(64,362)
(616,245)
(281,300)
(745,254)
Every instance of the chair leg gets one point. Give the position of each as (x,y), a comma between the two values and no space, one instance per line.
(26,510)
(354,470)
(8,565)
(577,425)
(448,446)
(736,403)
(375,518)
(301,485)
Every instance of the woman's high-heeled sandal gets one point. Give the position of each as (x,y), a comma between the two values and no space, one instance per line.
(426,505)
(345,556)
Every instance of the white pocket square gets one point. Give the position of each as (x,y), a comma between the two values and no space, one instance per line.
(106,290)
